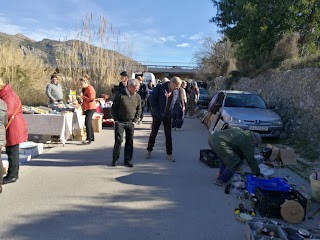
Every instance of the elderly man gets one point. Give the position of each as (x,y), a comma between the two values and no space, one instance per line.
(126,110)
(232,146)
(160,101)
(54,90)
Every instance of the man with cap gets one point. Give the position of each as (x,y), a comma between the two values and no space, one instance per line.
(232,146)
(123,80)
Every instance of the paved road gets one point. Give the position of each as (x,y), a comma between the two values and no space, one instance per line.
(72,192)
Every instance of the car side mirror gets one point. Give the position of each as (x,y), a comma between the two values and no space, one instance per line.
(272,107)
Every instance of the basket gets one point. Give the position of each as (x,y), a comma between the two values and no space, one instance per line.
(269,202)
(274,184)
(208,157)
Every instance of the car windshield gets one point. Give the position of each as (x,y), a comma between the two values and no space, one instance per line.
(244,100)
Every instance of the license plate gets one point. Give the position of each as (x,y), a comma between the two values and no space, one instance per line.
(258,128)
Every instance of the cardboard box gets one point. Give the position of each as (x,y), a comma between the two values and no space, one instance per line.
(5,164)
(282,154)
(215,120)
(79,135)
(97,124)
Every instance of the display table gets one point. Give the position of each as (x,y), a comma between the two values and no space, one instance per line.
(50,124)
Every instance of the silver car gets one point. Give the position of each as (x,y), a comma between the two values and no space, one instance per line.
(246,110)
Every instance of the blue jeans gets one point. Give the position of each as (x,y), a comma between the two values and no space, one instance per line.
(177,116)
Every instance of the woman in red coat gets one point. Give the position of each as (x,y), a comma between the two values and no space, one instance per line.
(16,133)
(89,106)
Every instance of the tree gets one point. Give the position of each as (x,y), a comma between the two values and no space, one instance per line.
(255,26)
(215,59)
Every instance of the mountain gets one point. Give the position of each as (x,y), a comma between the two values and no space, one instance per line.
(48,50)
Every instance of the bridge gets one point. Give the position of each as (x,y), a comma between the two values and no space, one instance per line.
(169,70)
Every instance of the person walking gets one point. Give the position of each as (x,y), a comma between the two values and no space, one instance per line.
(178,106)
(54,90)
(3,123)
(89,106)
(232,146)
(193,98)
(143,92)
(150,89)
(16,130)
(160,101)
(126,110)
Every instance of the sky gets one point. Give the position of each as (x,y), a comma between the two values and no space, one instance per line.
(149,31)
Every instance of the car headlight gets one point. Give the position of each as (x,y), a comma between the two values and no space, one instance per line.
(278,122)
(233,120)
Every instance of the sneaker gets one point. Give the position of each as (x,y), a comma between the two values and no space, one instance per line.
(179,129)
(139,122)
(170,158)
(148,155)
(219,182)
(173,129)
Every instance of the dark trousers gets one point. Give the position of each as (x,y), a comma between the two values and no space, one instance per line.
(148,105)
(143,103)
(177,116)
(119,127)
(13,158)
(88,124)
(156,122)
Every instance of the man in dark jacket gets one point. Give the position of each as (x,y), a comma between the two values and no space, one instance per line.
(126,109)
(232,146)
(143,92)
(160,101)
(123,81)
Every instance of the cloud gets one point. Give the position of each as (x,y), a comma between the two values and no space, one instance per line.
(183,45)
(168,39)
(196,36)
(9,28)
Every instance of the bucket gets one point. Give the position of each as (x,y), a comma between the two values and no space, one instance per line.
(315,185)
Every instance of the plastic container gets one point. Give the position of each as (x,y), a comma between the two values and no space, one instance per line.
(315,185)
(274,184)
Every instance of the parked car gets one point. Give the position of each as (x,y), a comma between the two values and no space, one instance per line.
(204,98)
(246,110)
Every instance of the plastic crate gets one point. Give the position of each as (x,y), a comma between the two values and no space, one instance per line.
(269,202)
(274,184)
(208,157)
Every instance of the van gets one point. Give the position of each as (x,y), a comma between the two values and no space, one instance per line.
(146,77)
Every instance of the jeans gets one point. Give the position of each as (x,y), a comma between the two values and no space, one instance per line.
(119,128)
(177,116)
(156,122)
(13,158)
(88,124)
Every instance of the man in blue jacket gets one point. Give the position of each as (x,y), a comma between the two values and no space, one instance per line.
(160,101)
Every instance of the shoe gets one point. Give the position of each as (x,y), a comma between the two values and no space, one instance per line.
(139,122)
(173,129)
(179,129)
(148,154)
(86,142)
(169,157)
(128,164)
(9,180)
(92,139)
(114,163)
(221,183)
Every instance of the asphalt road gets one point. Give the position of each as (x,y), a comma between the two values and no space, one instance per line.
(72,192)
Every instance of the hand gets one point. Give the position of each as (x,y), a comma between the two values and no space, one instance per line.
(53,99)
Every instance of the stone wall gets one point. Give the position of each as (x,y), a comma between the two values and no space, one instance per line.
(296,95)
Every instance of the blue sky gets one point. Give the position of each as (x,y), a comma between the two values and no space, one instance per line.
(154,30)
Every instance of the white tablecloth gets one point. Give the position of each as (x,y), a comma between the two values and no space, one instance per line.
(50,124)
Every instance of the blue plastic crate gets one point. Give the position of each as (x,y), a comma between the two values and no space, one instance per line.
(274,184)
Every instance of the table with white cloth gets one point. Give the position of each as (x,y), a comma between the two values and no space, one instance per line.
(50,125)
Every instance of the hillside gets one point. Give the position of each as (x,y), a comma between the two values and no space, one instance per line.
(48,50)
